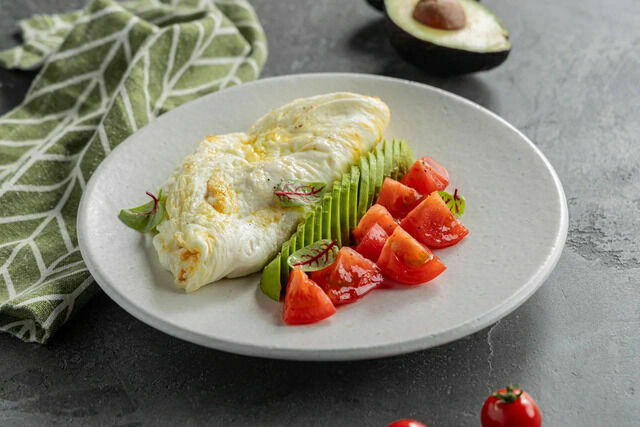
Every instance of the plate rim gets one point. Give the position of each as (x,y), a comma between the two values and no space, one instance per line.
(358,353)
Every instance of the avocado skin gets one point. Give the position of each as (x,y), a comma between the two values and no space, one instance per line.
(440,60)
(377,4)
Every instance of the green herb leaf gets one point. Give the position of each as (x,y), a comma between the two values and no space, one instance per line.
(455,202)
(299,193)
(315,256)
(145,218)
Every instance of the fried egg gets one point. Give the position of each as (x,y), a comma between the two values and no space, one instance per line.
(222,217)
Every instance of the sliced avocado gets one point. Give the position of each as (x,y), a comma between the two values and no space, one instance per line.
(300,236)
(381,170)
(344,207)
(481,44)
(406,159)
(317,224)
(396,160)
(353,199)
(339,212)
(363,189)
(309,228)
(293,242)
(387,147)
(270,282)
(284,266)
(373,177)
(336,202)
(326,217)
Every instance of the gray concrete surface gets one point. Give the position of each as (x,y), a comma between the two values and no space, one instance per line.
(572,85)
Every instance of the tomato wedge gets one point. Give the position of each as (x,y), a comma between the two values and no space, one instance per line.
(397,198)
(371,244)
(377,214)
(349,277)
(405,260)
(432,223)
(426,176)
(305,302)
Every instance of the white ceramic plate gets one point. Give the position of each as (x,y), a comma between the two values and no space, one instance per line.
(516,211)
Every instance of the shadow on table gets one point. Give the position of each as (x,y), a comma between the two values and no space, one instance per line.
(14,86)
(105,347)
(372,39)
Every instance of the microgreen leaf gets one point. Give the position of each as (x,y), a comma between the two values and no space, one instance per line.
(455,202)
(298,193)
(145,218)
(314,257)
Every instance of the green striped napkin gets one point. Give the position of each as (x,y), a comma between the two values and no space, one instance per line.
(106,71)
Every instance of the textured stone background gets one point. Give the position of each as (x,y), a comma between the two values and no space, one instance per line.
(572,85)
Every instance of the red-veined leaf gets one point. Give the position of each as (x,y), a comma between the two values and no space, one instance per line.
(455,202)
(316,256)
(145,218)
(298,193)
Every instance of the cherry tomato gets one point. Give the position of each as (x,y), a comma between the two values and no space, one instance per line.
(510,407)
(350,277)
(405,260)
(377,214)
(397,198)
(406,423)
(305,302)
(426,176)
(432,223)
(372,243)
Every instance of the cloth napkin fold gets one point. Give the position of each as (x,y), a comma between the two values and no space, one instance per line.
(107,71)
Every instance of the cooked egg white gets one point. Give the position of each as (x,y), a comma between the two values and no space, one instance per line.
(223,219)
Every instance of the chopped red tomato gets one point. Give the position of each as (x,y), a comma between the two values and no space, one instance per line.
(305,301)
(397,198)
(349,277)
(432,223)
(371,244)
(426,176)
(406,423)
(377,214)
(407,261)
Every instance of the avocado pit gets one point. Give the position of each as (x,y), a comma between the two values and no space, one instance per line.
(441,14)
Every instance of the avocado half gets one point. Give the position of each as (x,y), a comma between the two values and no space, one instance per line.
(481,45)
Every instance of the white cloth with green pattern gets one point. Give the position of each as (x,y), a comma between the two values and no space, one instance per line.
(107,71)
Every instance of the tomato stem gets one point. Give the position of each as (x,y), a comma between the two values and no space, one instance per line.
(509,395)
